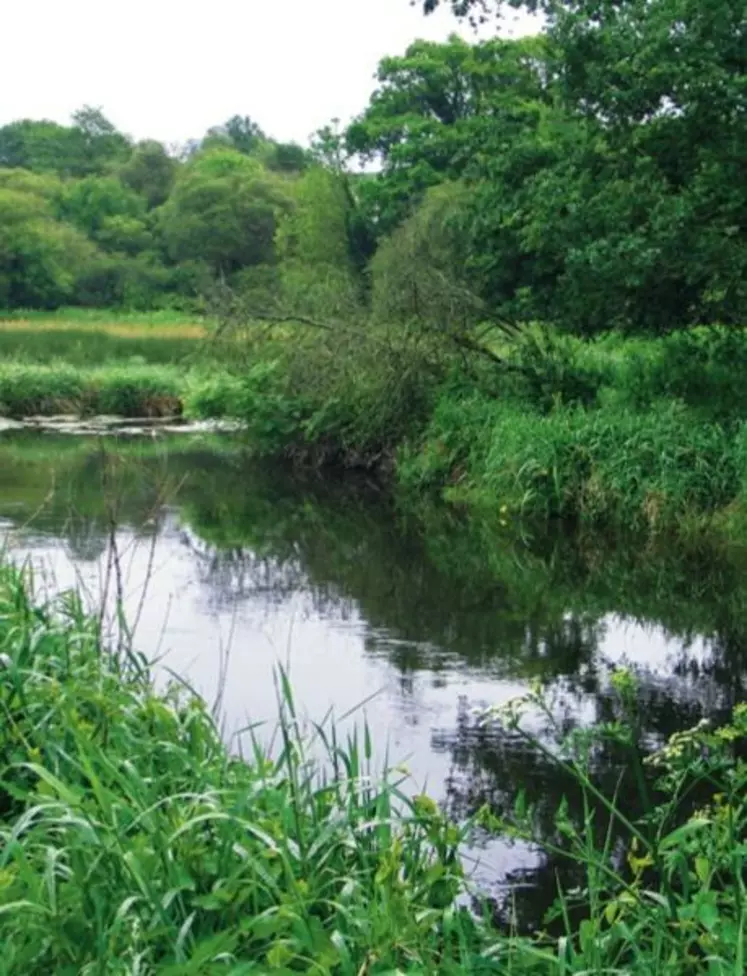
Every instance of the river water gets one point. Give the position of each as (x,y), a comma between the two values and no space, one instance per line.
(229,567)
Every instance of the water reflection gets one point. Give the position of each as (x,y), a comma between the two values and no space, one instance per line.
(247,565)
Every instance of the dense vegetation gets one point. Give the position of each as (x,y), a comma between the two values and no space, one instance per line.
(588,177)
(517,280)
(531,293)
(133,841)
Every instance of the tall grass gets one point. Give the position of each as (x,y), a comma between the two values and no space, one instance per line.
(133,841)
(607,465)
(137,391)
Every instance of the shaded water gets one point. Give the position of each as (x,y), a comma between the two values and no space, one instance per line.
(427,620)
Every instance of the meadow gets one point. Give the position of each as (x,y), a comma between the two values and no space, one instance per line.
(76,361)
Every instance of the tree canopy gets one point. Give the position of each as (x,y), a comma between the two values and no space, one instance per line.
(594,176)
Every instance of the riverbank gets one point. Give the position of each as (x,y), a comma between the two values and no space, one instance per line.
(131,834)
(642,434)
(617,432)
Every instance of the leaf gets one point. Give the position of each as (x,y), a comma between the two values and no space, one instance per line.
(702,868)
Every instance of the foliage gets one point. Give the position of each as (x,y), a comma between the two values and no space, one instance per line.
(40,258)
(88,146)
(132,835)
(224,211)
(663,893)
(150,172)
(166,853)
(637,223)
(418,273)
(606,465)
(599,163)
(437,109)
(92,203)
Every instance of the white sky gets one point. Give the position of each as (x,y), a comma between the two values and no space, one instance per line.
(169,69)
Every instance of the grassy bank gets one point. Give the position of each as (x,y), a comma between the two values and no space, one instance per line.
(130,391)
(617,431)
(638,433)
(134,841)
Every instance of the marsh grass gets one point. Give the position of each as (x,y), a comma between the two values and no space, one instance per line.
(135,391)
(98,345)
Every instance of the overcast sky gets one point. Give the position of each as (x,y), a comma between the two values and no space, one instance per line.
(169,69)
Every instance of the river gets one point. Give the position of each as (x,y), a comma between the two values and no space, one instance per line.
(415,624)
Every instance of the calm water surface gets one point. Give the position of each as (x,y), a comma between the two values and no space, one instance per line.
(230,567)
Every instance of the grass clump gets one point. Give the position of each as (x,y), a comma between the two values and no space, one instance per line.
(604,465)
(137,391)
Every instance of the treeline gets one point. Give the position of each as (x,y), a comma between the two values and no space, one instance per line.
(591,177)
(88,217)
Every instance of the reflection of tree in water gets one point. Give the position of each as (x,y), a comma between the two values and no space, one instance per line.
(438,596)
(234,576)
(492,766)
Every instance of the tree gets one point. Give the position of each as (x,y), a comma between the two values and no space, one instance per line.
(90,202)
(40,146)
(150,171)
(420,275)
(287,157)
(40,258)
(639,222)
(224,210)
(435,109)
(89,146)
(100,141)
(239,132)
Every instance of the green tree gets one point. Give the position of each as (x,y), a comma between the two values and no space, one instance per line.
(435,110)
(90,145)
(420,275)
(150,171)
(90,202)
(40,258)
(223,210)
(240,133)
(101,145)
(41,146)
(639,220)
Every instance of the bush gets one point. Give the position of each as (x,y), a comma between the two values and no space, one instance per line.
(702,367)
